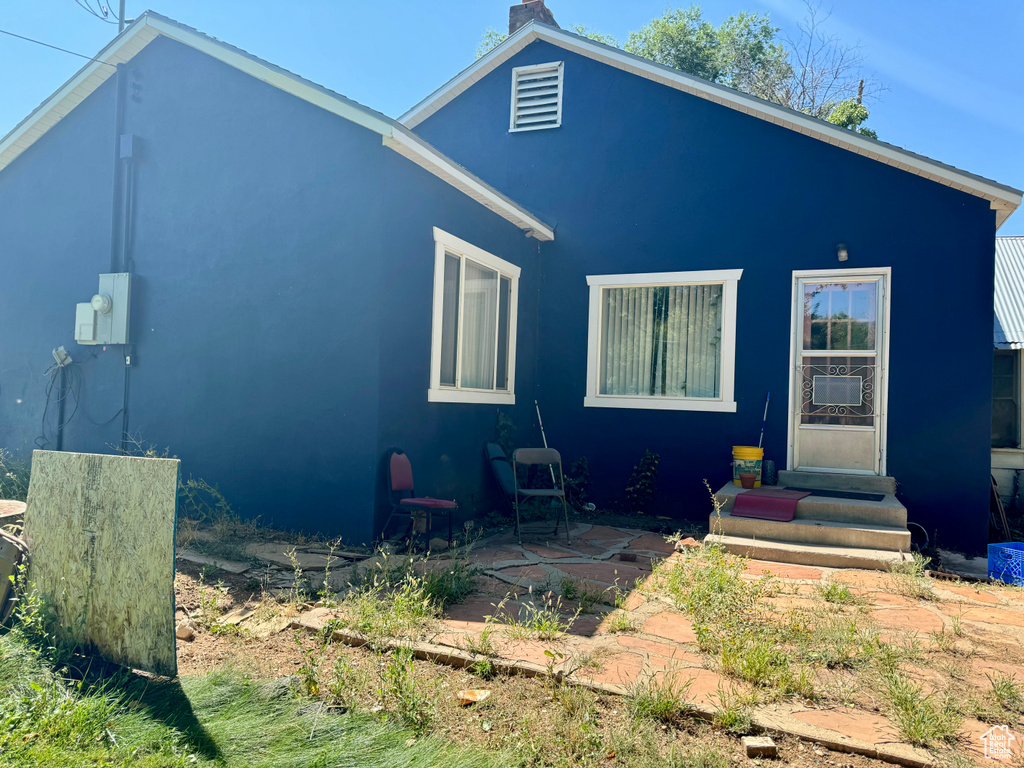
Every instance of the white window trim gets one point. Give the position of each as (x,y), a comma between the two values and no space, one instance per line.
(445,242)
(728,279)
(516,72)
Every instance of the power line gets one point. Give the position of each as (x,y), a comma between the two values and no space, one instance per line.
(56,48)
(102,15)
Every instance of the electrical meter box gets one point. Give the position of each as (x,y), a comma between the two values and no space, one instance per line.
(104,319)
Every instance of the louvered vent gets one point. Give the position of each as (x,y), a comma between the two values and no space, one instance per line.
(536,97)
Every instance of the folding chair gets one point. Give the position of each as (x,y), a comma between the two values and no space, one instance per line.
(529,457)
(403,499)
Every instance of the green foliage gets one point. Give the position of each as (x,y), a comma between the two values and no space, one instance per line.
(35,621)
(309,669)
(541,620)
(643,482)
(112,717)
(577,480)
(593,34)
(492,39)
(452,583)
(850,114)
(14,477)
(741,53)
(1007,693)
(835,592)
(922,720)
(663,699)
(914,567)
(814,73)
(344,684)
(732,712)
(400,692)
(619,622)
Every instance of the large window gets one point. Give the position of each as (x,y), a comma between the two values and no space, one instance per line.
(473,348)
(664,340)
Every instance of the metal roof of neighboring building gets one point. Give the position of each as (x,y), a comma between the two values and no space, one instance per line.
(1009,294)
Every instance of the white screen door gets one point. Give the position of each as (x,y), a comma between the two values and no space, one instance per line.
(839,375)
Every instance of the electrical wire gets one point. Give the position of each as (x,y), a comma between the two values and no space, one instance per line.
(73,386)
(56,48)
(104,12)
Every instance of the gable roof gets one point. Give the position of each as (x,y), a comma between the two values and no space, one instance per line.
(1009,293)
(1003,199)
(150,25)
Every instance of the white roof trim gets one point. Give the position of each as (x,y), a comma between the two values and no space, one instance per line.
(1004,200)
(411,146)
(150,25)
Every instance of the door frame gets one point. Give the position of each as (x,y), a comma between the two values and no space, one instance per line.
(796,340)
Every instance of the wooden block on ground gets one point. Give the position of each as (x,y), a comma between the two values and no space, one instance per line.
(100,531)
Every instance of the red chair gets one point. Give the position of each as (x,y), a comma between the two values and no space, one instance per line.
(403,497)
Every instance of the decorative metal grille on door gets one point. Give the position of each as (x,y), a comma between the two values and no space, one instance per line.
(837,392)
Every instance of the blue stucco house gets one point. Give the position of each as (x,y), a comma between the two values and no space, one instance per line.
(644,253)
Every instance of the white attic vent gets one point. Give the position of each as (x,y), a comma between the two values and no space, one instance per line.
(536,97)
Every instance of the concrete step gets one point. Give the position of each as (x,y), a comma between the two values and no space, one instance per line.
(807,554)
(817,532)
(835,481)
(888,512)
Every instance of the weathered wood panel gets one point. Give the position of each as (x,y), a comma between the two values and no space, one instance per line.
(101,535)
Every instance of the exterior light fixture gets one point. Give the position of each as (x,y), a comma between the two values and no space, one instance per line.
(841,252)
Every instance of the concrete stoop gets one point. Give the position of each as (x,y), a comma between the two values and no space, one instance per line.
(807,554)
(826,531)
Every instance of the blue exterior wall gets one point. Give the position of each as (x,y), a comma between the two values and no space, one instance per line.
(444,440)
(270,243)
(643,178)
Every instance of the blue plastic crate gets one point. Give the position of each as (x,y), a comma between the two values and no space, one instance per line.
(1006,562)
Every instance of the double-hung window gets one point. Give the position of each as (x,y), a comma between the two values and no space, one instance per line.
(662,340)
(473,346)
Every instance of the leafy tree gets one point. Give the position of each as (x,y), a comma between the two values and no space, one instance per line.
(493,38)
(740,53)
(849,113)
(814,72)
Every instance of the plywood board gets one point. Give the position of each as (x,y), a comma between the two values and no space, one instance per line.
(101,535)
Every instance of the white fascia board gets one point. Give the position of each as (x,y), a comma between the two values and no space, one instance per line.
(418,151)
(279,79)
(74,91)
(467,77)
(1003,201)
(148,26)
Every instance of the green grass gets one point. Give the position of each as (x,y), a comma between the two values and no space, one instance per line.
(116,718)
(833,592)
(926,720)
(541,621)
(663,700)
(14,477)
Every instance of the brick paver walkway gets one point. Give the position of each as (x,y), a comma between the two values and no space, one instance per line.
(987,622)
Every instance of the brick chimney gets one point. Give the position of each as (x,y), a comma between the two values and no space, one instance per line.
(527,11)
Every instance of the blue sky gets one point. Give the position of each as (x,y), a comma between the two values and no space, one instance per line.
(953,68)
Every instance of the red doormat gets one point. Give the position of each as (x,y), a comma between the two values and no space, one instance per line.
(768,504)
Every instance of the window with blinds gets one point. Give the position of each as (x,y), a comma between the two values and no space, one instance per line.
(664,340)
(536,97)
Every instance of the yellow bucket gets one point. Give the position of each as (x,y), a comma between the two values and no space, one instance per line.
(746,458)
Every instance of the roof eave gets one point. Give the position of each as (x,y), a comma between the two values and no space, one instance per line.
(150,25)
(1003,199)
